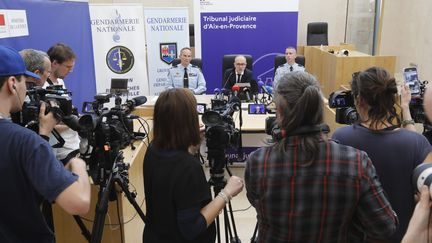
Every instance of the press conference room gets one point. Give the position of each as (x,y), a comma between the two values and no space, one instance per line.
(235,58)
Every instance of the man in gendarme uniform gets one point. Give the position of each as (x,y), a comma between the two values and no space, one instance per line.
(289,66)
(186,75)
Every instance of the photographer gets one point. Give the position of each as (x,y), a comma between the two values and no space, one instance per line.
(178,199)
(29,170)
(394,151)
(307,188)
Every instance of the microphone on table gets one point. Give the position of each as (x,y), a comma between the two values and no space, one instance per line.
(216,91)
(235,88)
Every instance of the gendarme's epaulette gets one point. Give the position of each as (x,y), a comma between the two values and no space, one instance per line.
(174,66)
(300,65)
(281,65)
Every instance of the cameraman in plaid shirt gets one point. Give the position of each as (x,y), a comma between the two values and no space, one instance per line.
(307,188)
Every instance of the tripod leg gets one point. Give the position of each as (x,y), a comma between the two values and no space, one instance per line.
(130,197)
(101,210)
(84,230)
(236,238)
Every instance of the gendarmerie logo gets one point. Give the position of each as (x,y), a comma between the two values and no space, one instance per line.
(120,59)
(168,52)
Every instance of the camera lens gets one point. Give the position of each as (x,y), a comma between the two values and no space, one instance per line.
(422,175)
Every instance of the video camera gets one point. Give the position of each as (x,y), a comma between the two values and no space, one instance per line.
(221,133)
(107,132)
(58,96)
(343,101)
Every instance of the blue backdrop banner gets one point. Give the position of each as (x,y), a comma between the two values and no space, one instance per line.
(50,22)
(262,29)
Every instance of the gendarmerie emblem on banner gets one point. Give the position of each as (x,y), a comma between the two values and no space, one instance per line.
(168,52)
(120,59)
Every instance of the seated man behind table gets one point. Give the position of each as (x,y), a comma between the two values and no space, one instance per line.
(186,75)
(240,74)
(289,66)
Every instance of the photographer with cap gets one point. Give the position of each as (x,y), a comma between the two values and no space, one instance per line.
(29,171)
(394,151)
(308,188)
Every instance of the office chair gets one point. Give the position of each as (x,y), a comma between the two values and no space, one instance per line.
(195,61)
(228,62)
(280,59)
(317,34)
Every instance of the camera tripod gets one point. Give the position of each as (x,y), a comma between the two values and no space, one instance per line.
(117,176)
(217,180)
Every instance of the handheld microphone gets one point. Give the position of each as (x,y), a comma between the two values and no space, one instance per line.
(216,92)
(137,101)
(226,81)
(235,88)
(265,90)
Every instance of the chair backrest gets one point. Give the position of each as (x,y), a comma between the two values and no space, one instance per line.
(280,59)
(228,62)
(317,34)
(195,61)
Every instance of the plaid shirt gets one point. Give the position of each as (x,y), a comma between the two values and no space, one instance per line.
(337,198)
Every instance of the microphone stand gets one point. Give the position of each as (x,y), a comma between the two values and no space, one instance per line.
(226,81)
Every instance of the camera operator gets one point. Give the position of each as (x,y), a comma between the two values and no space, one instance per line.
(394,151)
(178,199)
(29,170)
(37,62)
(308,188)
(62,63)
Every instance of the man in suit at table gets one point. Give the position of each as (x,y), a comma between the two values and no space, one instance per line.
(240,74)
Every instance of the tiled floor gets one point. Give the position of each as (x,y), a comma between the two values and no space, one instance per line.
(244,213)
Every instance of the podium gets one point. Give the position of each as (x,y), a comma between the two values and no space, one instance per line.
(333,70)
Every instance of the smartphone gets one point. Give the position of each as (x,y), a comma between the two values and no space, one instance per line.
(201,108)
(411,78)
(257,109)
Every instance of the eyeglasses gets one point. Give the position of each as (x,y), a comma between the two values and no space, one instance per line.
(240,64)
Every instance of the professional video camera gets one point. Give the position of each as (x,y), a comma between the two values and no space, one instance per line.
(221,132)
(57,100)
(107,132)
(220,135)
(343,101)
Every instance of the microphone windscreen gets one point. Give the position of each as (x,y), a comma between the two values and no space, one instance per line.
(235,88)
(139,100)
(216,91)
(260,83)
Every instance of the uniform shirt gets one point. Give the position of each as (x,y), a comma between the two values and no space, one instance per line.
(197,82)
(395,154)
(284,69)
(333,199)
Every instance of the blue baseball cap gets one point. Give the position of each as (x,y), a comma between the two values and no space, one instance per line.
(11,63)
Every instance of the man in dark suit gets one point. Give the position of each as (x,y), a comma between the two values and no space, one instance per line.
(240,74)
